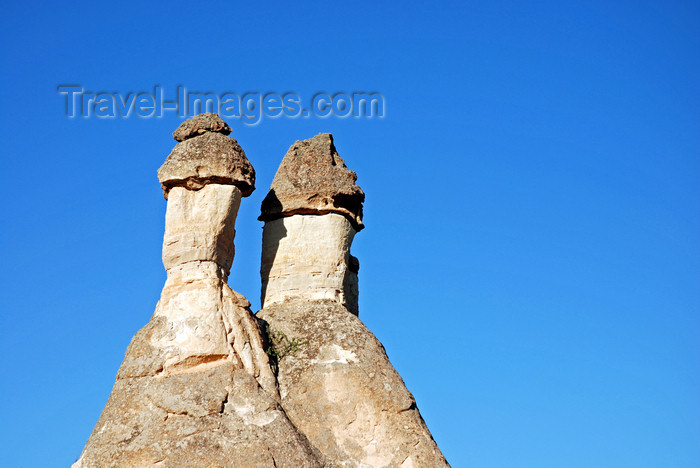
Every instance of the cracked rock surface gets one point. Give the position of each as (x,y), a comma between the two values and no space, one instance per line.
(341,391)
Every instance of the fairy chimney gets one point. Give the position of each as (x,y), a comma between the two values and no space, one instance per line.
(196,387)
(311,214)
(336,383)
(205,383)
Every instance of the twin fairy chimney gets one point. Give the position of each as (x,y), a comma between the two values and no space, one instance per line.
(302,383)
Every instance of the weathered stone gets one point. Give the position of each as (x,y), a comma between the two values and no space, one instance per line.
(336,382)
(206,383)
(218,417)
(313,179)
(308,257)
(200,124)
(200,225)
(210,158)
(196,387)
(341,391)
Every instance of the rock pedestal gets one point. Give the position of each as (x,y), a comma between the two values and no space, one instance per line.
(196,388)
(336,384)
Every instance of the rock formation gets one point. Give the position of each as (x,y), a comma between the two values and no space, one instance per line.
(305,384)
(305,255)
(337,386)
(196,388)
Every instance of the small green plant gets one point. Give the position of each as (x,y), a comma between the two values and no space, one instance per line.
(280,345)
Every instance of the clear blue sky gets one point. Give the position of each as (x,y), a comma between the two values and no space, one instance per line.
(531,258)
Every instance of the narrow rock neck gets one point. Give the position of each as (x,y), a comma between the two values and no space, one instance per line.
(308,257)
(200,226)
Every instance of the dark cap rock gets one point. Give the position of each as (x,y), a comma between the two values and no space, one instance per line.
(313,179)
(200,124)
(208,158)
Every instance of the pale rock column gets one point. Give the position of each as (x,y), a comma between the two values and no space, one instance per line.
(308,256)
(311,219)
(337,384)
(195,387)
(204,179)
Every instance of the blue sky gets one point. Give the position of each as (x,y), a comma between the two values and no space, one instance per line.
(531,259)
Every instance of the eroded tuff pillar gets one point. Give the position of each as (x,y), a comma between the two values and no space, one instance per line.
(337,385)
(196,387)
(311,214)
(204,179)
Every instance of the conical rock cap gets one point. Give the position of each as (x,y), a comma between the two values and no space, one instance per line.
(313,179)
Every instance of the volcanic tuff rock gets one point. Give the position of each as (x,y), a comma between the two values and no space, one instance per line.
(342,392)
(200,124)
(305,384)
(196,388)
(308,257)
(313,179)
(339,388)
(207,158)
